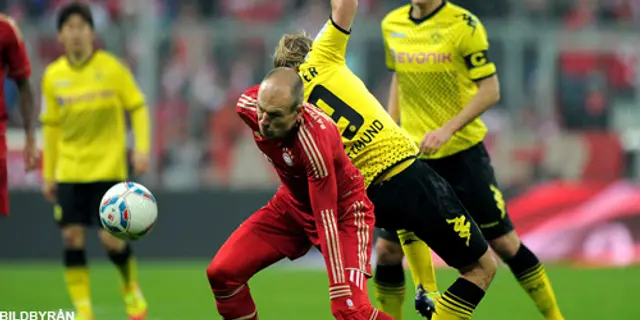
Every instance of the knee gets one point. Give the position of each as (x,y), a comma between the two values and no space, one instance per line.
(221,274)
(111,243)
(388,252)
(73,237)
(506,246)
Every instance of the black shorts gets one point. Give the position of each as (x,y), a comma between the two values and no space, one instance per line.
(471,175)
(421,201)
(79,203)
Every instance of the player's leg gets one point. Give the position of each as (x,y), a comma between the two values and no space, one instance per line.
(389,286)
(420,261)
(266,237)
(354,236)
(72,200)
(121,255)
(471,175)
(423,202)
(459,242)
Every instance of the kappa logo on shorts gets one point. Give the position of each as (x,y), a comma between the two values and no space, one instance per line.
(462,227)
(497,196)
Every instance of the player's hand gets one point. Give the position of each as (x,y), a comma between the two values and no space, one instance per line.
(423,303)
(49,189)
(434,140)
(140,163)
(31,153)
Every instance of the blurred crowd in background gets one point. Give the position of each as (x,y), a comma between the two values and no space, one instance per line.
(569,73)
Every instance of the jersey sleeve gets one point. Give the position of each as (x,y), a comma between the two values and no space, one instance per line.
(133,101)
(14,52)
(49,107)
(474,47)
(130,94)
(50,118)
(330,45)
(388,53)
(323,194)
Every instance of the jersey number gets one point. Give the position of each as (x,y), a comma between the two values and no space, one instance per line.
(340,110)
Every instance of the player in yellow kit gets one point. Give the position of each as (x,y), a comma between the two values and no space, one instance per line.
(406,193)
(443,81)
(85,95)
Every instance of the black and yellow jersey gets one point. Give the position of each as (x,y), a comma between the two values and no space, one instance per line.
(83,117)
(437,61)
(372,140)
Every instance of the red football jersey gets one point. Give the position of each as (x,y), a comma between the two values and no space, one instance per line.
(311,162)
(13,57)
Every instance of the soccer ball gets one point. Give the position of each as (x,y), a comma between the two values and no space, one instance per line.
(128,210)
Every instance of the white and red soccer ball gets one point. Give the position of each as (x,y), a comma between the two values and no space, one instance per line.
(128,210)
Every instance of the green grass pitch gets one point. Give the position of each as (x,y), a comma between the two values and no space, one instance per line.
(179,291)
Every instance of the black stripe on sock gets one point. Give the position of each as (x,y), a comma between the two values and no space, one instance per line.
(74,258)
(523,262)
(390,275)
(121,258)
(459,304)
(533,274)
(465,292)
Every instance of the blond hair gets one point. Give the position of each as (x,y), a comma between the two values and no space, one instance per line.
(292,49)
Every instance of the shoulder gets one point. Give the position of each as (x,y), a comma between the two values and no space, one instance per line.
(109,60)
(318,126)
(395,15)
(247,106)
(462,16)
(8,25)
(248,100)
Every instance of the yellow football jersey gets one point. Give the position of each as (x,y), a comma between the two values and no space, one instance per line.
(83,117)
(372,140)
(437,61)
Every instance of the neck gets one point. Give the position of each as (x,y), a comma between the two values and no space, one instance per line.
(419,11)
(79,58)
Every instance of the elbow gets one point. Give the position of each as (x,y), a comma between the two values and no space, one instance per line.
(22,83)
(489,91)
(495,96)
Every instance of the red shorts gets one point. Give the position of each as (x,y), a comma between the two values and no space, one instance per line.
(281,229)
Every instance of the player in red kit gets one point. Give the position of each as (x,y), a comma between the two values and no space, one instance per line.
(322,202)
(15,65)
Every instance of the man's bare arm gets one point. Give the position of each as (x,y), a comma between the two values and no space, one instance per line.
(26,104)
(343,12)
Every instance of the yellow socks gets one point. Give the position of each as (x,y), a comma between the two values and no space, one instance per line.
(533,279)
(76,275)
(389,289)
(420,261)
